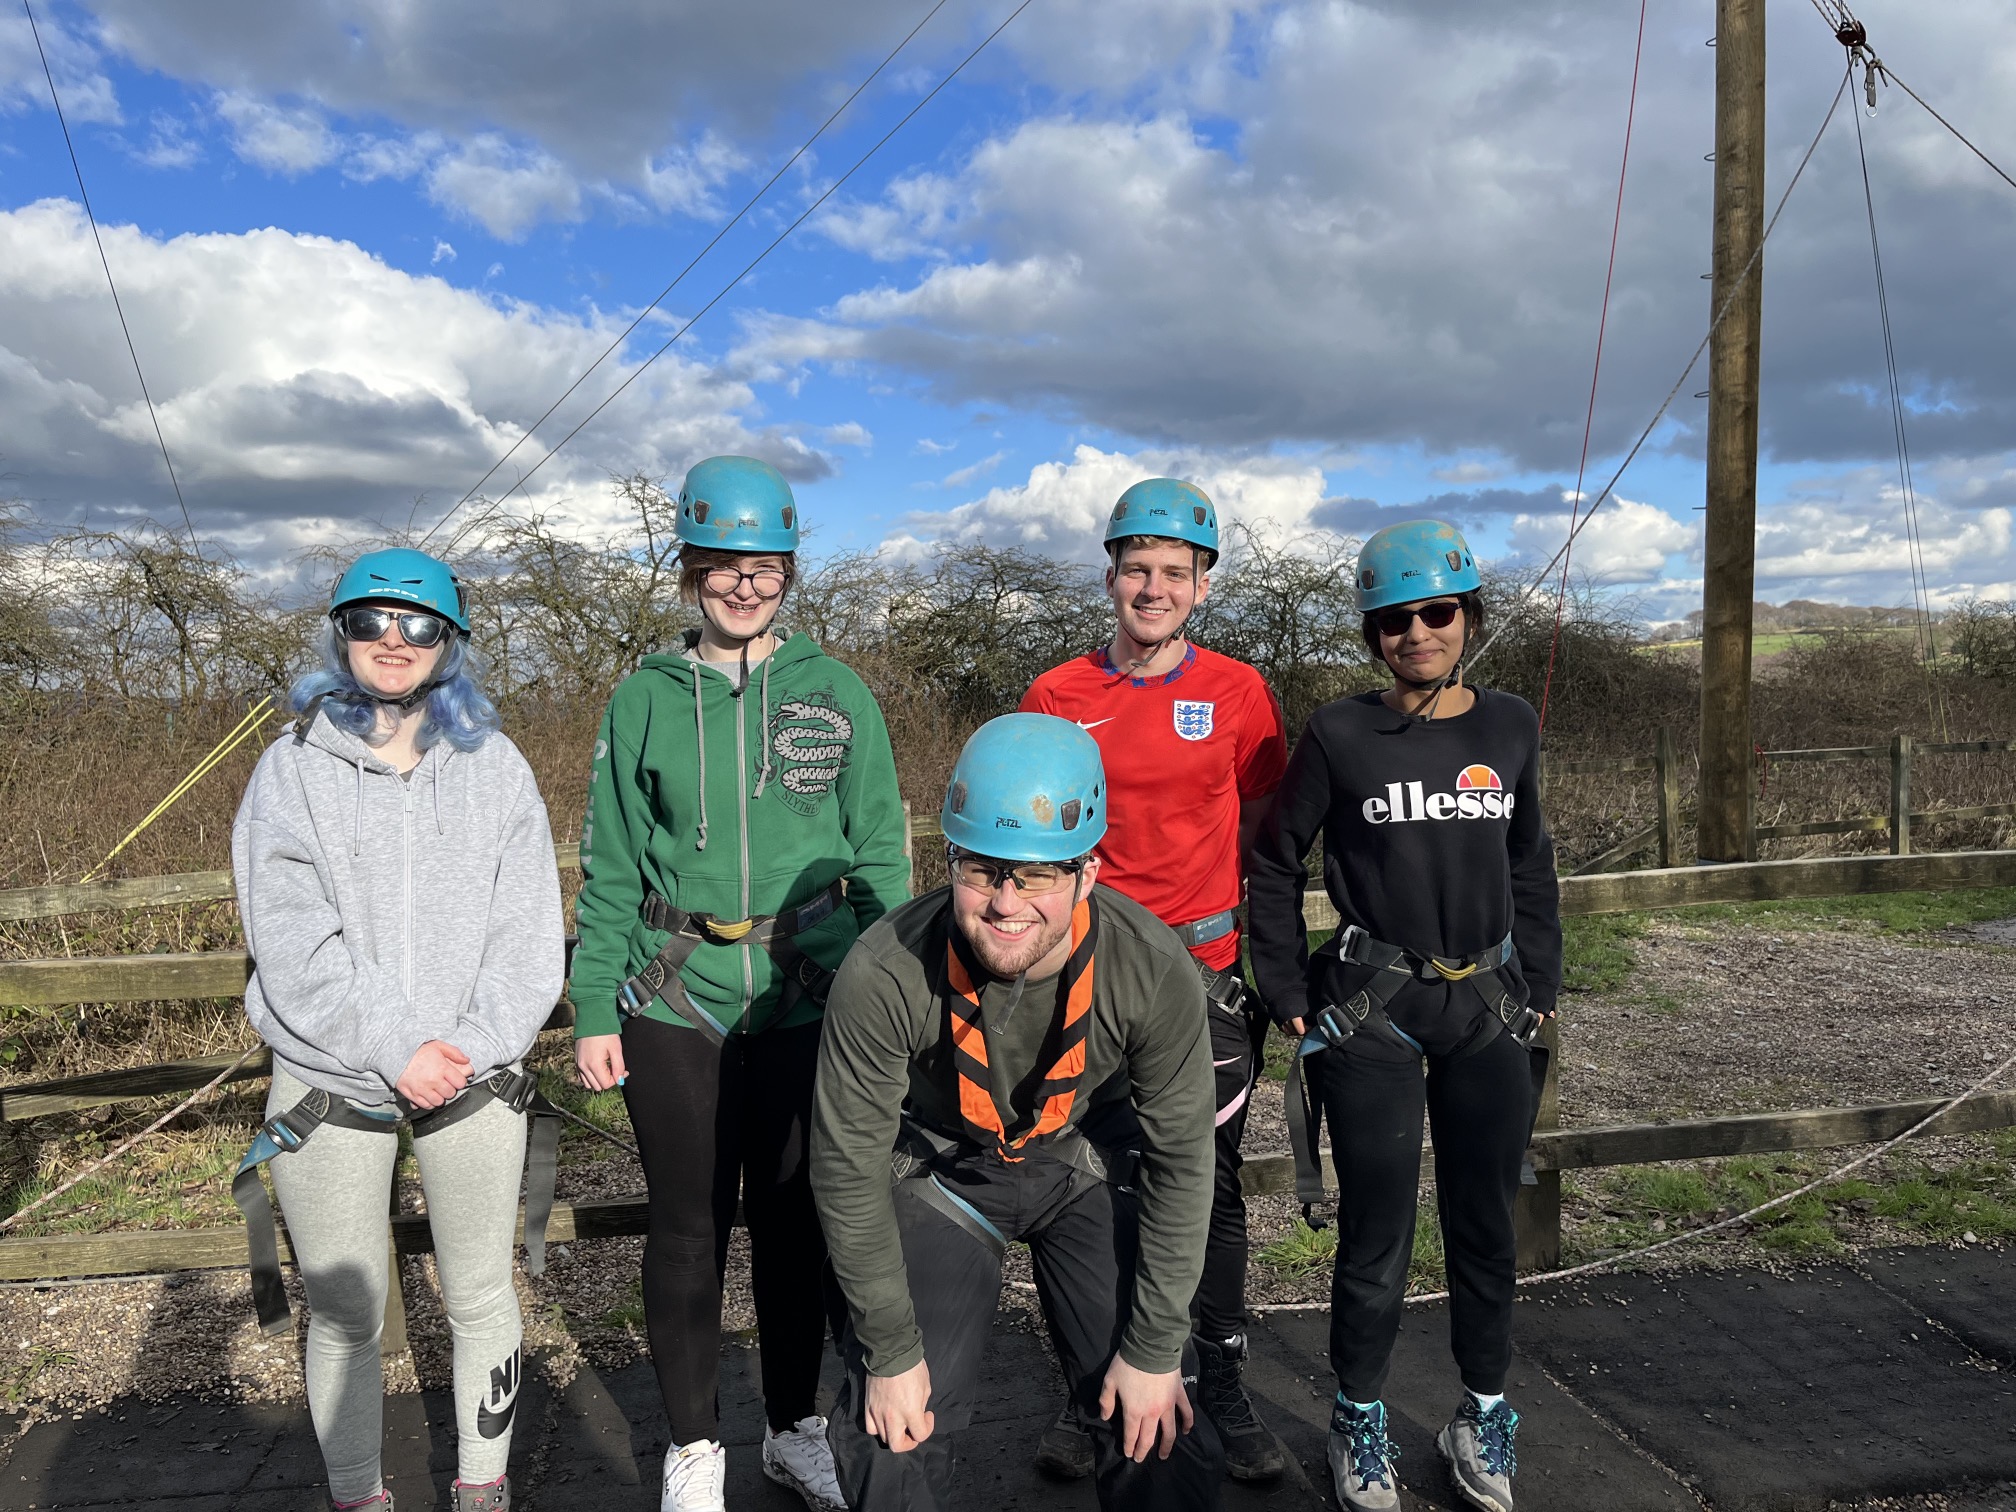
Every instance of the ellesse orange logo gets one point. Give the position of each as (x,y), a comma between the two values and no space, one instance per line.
(1480,794)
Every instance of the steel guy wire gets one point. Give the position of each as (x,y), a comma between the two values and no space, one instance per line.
(1921,586)
(1546,573)
(1596,373)
(725,227)
(747,269)
(90,215)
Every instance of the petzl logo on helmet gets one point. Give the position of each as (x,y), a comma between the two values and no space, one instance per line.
(1194,720)
(1480,794)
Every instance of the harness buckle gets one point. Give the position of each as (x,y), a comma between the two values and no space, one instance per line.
(1450,973)
(282,1133)
(720,933)
(1338,1022)
(1523,1023)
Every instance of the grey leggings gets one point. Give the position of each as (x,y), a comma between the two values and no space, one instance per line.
(336,1194)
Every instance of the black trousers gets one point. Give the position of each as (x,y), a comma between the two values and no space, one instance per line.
(1237,1042)
(1082,1238)
(715,1124)
(1479,1099)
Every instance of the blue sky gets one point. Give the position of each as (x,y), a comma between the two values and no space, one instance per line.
(1336,261)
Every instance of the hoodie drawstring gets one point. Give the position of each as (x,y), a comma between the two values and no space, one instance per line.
(764,772)
(700,735)
(357,829)
(440,762)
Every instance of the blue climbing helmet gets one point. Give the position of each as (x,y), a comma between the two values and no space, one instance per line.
(1418,559)
(1165,507)
(1027,787)
(738,504)
(401,575)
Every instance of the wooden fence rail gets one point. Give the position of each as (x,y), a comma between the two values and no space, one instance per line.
(144,1252)
(220,974)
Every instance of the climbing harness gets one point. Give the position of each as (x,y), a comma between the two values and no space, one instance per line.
(1058,1092)
(922,1157)
(284,1133)
(1203,931)
(803,976)
(1393,966)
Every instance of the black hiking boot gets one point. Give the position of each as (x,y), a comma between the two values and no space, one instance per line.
(1252,1453)
(1065,1450)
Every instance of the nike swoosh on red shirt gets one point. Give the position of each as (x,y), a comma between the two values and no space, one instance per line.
(1097,722)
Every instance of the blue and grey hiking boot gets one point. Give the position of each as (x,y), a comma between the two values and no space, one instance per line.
(1478,1445)
(1361,1458)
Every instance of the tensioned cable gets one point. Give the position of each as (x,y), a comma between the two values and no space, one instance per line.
(77,168)
(725,227)
(1921,586)
(1602,324)
(1547,572)
(1611,1262)
(747,269)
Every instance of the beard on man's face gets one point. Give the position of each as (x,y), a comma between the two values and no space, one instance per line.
(1009,956)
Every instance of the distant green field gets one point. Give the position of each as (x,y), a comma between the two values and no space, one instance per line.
(1774,642)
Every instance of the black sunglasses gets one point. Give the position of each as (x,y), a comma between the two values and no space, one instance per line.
(367,623)
(1395,622)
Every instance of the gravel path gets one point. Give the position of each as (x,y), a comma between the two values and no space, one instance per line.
(1717,1019)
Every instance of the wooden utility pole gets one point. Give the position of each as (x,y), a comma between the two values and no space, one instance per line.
(1725,827)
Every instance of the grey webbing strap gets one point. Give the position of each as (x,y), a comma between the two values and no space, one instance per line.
(1226,989)
(280,1135)
(542,1165)
(803,977)
(1203,931)
(1305,1122)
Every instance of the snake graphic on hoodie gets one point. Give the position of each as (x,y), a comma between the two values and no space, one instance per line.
(735,802)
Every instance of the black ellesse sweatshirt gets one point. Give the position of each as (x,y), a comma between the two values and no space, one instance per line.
(1432,840)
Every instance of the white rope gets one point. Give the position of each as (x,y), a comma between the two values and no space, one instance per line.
(1610,1262)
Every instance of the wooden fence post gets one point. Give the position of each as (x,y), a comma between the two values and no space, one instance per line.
(1666,767)
(1900,795)
(1536,1213)
(392,1337)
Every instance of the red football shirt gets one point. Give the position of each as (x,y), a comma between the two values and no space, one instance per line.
(1182,751)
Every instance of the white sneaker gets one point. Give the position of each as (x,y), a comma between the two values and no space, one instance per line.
(800,1458)
(696,1478)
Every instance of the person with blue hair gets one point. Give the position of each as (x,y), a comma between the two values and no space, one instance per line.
(400,898)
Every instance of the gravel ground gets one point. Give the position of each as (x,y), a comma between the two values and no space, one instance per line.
(1716,1020)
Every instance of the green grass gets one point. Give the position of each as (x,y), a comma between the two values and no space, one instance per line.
(1598,951)
(629,1313)
(1304,1251)
(1640,1205)
(1890,913)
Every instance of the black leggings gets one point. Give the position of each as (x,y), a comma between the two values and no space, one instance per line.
(714,1124)
(1237,1041)
(1480,1107)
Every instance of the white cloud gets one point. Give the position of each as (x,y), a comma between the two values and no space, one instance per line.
(298,378)
(960,477)
(506,189)
(282,139)
(443,252)
(169,144)
(1623,542)
(88,95)
(848,433)
(926,447)
(1063,506)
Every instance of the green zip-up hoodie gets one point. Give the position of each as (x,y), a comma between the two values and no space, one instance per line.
(734,803)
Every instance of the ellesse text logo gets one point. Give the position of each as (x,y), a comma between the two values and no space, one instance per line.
(1479,795)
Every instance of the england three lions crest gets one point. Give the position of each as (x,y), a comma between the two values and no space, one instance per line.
(1193,720)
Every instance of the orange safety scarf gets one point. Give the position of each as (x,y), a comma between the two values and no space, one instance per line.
(1059,1090)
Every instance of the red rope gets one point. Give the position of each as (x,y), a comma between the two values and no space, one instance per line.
(1602,323)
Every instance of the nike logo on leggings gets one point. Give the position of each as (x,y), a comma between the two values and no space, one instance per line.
(493,1414)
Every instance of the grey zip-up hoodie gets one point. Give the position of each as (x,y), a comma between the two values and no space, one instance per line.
(384,912)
